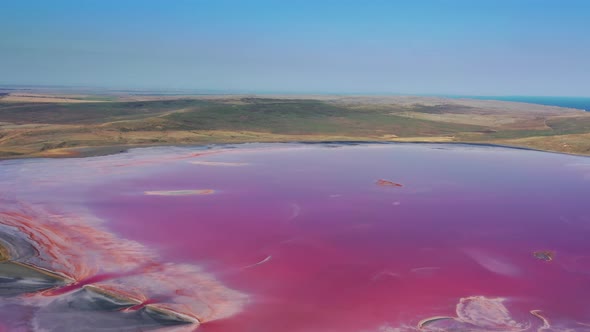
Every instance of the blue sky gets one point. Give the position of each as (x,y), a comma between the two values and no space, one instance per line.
(478,47)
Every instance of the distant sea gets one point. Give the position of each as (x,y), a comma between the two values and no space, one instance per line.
(571,102)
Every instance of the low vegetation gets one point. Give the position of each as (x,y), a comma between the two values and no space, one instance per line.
(111,123)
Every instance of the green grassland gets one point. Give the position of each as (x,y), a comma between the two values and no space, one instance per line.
(87,113)
(53,129)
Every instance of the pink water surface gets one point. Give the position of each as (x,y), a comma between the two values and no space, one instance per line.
(310,242)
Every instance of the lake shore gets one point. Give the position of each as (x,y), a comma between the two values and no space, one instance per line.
(88,152)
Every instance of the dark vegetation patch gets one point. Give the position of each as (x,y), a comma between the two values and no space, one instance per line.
(9,154)
(307,117)
(570,125)
(88,113)
(557,126)
(441,109)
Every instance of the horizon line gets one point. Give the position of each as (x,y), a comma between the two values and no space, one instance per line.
(214,91)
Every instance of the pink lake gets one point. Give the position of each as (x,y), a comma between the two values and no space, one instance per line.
(297,237)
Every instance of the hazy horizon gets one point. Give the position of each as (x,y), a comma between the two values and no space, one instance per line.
(186,91)
(484,48)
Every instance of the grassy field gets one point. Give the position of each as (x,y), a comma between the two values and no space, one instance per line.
(48,126)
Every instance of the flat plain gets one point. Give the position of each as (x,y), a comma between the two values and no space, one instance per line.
(62,124)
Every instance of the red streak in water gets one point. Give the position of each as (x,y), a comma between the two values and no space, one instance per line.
(141,305)
(81,283)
